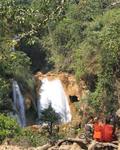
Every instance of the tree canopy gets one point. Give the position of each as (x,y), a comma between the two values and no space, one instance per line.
(80,37)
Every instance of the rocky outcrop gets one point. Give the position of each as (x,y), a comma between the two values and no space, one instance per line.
(71,85)
(73,89)
(68,144)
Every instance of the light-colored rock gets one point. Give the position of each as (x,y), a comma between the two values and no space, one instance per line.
(119,146)
(118,113)
(44,147)
(5,147)
(75,146)
(71,86)
(15,147)
(65,147)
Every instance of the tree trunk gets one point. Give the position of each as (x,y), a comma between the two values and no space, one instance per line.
(51,128)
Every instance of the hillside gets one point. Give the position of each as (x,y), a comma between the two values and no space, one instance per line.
(76,42)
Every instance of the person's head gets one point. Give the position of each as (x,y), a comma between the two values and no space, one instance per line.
(107,120)
(101,121)
(96,119)
(90,119)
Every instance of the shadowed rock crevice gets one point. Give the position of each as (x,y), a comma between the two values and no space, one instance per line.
(73,98)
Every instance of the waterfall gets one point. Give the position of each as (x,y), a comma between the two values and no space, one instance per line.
(52,92)
(18,104)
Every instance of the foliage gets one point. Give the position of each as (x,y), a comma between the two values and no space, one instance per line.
(5,102)
(99,54)
(50,117)
(34,138)
(64,38)
(13,65)
(8,127)
(81,37)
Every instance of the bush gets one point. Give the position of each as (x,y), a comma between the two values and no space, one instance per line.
(8,127)
(50,117)
(33,138)
(30,137)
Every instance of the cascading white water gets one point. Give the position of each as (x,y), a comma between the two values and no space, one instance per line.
(18,104)
(52,92)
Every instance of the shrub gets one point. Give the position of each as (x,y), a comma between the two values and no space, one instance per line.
(8,127)
(33,138)
(50,117)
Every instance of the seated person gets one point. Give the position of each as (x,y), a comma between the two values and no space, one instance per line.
(107,131)
(98,129)
(89,128)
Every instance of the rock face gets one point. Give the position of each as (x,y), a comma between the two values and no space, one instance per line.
(73,146)
(71,86)
(118,113)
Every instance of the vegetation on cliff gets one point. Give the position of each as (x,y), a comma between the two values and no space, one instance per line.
(80,37)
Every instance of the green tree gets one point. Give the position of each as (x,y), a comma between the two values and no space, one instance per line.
(81,37)
(50,117)
(13,64)
(8,127)
(99,54)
